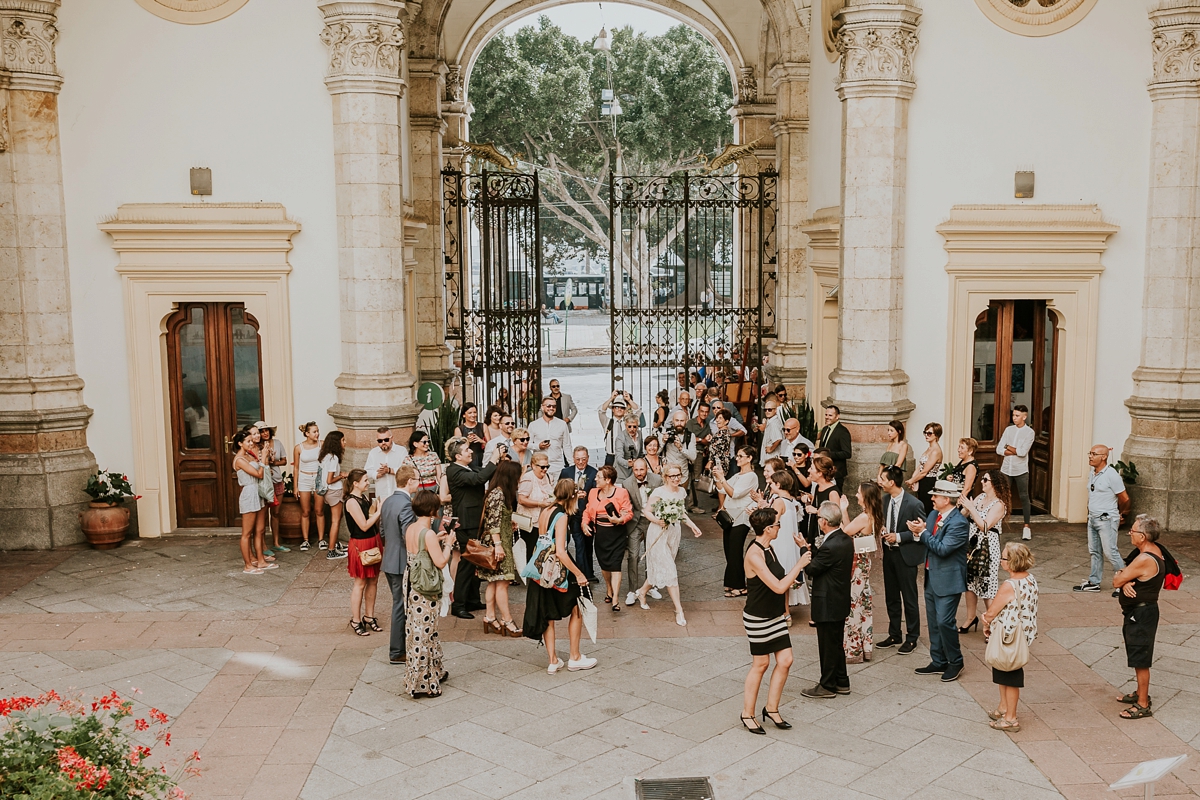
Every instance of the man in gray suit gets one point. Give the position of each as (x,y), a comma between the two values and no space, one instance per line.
(394,518)
(639,485)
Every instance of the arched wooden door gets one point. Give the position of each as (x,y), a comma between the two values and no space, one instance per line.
(214,361)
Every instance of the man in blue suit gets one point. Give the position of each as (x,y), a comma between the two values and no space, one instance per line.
(944,534)
(395,516)
(585,480)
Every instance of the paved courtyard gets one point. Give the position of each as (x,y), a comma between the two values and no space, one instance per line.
(263,676)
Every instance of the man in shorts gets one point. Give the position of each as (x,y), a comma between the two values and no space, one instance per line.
(1139,585)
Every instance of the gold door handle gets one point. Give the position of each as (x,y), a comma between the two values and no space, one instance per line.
(228,444)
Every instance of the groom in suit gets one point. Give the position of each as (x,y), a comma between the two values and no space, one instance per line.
(901,557)
(395,516)
(584,476)
(945,534)
(836,439)
(639,485)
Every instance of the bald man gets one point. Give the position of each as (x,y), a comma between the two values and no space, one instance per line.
(1108,503)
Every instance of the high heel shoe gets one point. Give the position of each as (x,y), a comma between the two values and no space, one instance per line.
(509,628)
(780,723)
(967,628)
(491,625)
(758,729)
(373,624)
(679,619)
(360,628)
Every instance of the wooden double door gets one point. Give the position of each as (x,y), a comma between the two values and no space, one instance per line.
(1016,358)
(215,377)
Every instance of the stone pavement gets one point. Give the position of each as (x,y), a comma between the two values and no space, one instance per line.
(263,677)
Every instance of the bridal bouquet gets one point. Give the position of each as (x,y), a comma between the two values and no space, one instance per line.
(669,511)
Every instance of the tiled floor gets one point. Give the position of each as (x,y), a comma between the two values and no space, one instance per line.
(266,681)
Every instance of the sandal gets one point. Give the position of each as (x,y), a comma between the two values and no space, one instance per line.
(1136,712)
(995,715)
(1131,699)
(608,599)
(510,629)
(616,608)
(373,624)
(359,628)
(730,593)
(252,571)
(1006,726)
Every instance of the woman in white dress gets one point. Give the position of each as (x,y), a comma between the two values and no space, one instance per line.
(783,487)
(662,541)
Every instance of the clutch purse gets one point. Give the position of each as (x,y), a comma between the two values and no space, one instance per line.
(369,557)
(524,522)
(864,544)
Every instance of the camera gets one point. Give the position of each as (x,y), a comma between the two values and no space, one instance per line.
(669,436)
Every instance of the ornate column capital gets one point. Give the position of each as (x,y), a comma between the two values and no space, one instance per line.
(1176,49)
(365,40)
(877,42)
(27,37)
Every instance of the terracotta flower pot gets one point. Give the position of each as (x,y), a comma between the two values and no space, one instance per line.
(105,524)
(288,519)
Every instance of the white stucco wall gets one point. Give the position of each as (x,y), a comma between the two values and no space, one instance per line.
(144,100)
(1073,107)
(825,123)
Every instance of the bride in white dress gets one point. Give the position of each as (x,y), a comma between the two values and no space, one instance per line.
(783,487)
(662,542)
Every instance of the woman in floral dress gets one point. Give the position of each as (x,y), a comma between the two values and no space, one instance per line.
(860,624)
(496,532)
(986,514)
(426,463)
(424,673)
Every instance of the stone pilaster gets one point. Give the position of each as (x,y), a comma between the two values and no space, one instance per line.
(426,91)
(365,40)
(1165,406)
(788,362)
(44,458)
(877,43)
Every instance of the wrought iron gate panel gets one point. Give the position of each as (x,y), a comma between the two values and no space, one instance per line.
(692,269)
(493,259)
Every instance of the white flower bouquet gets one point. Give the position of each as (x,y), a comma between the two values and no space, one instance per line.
(669,511)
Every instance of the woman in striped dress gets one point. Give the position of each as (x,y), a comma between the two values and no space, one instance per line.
(765,618)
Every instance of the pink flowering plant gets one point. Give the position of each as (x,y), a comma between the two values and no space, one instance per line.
(107,486)
(53,748)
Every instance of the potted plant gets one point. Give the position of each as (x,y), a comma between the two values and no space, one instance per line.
(288,516)
(106,521)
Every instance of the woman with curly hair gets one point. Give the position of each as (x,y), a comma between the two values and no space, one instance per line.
(860,624)
(986,514)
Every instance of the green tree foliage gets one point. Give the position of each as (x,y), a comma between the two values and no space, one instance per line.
(538,92)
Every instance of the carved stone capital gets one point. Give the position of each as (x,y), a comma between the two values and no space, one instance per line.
(365,41)
(27,38)
(454,83)
(1175,46)
(747,88)
(877,43)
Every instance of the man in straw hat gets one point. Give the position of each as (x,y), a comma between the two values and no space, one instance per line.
(944,534)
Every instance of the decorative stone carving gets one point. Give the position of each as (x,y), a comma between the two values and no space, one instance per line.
(876,54)
(747,86)
(831,25)
(27,38)
(192,12)
(1035,17)
(4,143)
(454,84)
(1176,43)
(365,41)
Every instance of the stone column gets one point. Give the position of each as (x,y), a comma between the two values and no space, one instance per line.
(44,458)
(428,127)
(877,43)
(1164,441)
(789,353)
(377,384)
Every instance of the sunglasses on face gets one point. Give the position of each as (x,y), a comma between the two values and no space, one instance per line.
(554,386)
(540,466)
(521,439)
(381,441)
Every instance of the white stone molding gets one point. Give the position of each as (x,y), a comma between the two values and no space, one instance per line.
(365,41)
(27,38)
(1034,252)
(824,244)
(1035,18)
(172,253)
(877,43)
(192,12)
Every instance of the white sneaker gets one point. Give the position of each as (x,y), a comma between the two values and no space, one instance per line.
(655,593)
(631,598)
(1026,534)
(555,667)
(586,662)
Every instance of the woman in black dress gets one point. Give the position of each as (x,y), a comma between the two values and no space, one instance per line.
(765,618)
(471,428)
(824,489)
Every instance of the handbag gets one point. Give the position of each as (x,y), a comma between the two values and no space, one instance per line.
(1008,651)
(524,521)
(423,577)
(519,558)
(725,520)
(543,565)
(978,556)
(864,544)
(705,483)
(319,484)
(370,557)
(479,554)
(266,486)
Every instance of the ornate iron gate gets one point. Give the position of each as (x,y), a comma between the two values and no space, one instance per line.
(493,258)
(692,277)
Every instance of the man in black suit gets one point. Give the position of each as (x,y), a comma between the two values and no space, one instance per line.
(467,488)
(395,515)
(830,571)
(585,480)
(901,557)
(836,439)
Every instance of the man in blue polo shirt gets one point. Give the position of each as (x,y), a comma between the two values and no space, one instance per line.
(1108,503)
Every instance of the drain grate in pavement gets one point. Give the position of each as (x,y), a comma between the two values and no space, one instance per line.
(674,789)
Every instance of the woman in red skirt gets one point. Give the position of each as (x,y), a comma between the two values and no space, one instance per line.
(362,519)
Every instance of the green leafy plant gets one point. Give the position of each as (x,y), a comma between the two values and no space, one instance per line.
(53,748)
(947,468)
(808,420)
(289,485)
(445,420)
(107,486)
(1127,470)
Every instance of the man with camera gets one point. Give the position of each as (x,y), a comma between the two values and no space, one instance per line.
(628,446)
(679,446)
(612,415)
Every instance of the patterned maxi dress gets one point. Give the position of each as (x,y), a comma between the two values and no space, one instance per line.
(860,624)
(497,522)
(424,673)
(985,580)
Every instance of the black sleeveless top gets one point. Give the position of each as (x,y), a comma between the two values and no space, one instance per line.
(1147,591)
(819,496)
(356,532)
(959,473)
(761,602)
(476,447)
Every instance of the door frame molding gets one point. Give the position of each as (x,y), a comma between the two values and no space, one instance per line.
(196,252)
(1031,252)
(824,252)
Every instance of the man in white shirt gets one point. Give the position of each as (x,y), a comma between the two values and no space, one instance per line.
(686,404)
(507,426)
(791,439)
(772,432)
(619,404)
(549,434)
(1108,502)
(382,463)
(1014,446)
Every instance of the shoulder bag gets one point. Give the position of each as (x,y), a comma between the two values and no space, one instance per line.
(425,578)
(266,486)
(1008,652)
(705,483)
(480,555)
(370,557)
(543,565)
